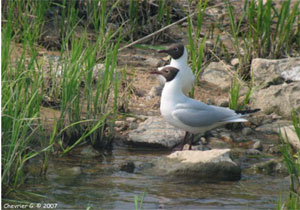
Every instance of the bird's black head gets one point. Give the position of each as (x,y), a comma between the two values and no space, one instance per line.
(174,50)
(168,72)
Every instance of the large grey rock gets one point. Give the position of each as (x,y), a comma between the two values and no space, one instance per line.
(292,137)
(279,99)
(210,165)
(155,132)
(267,72)
(217,74)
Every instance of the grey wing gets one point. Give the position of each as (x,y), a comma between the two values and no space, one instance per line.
(198,114)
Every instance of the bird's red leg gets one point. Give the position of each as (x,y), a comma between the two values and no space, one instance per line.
(191,141)
(184,140)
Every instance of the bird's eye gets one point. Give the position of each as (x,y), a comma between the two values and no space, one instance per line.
(167,71)
(176,49)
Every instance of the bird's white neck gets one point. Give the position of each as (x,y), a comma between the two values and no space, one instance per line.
(172,90)
(180,61)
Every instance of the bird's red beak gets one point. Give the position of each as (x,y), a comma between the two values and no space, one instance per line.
(162,51)
(155,72)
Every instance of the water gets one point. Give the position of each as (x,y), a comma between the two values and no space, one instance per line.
(78,183)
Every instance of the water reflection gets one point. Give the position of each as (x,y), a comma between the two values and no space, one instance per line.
(75,182)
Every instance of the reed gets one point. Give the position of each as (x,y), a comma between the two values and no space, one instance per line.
(87,99)
(292,161)
(196,42)
(21,96)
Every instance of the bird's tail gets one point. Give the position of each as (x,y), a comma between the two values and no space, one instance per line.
(245,112)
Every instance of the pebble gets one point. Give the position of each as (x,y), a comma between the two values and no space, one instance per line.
(247,131)
(227,137)
(235,62)
(131,119)
(128,167)
(257,145)
(252,152)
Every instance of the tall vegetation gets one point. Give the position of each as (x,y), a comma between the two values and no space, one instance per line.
(292,161)
(85,93)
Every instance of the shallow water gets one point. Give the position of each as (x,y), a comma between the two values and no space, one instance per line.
(78,183)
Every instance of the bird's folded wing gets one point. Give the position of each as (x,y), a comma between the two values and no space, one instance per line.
(198,114)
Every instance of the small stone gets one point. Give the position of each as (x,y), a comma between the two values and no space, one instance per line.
(131,119)
(73,171)
(292,137)
(224,103)
(273,149)
(214,133)
(128,167)
(247,131)
(252,152)
(235,62)
(133,125)
(200,148)
(271,167)
(216,143)
(184,24)
(119,123)
(186,147)
(155,91)
(257,145)
(203,140)
(227,137)
(155,62)
(89,152)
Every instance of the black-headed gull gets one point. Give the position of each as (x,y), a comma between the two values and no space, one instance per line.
(189,114)
(179,57)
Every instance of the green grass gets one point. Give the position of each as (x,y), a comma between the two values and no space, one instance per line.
(196,43)
(21,99)
(87,108)
(292,161)
(138,201)
(264,31)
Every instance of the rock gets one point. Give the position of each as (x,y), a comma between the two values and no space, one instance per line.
(271,167)
(155,132)
(235,62)
(98,71)
(120,125)
(216,143)
(272,127)
(226,137)
(128,167)
(217,74)
(131,119)
(252,152)
(292,75)
(280,99)
(154,62)
(247,131)
(257,145)
(210,165)
(89,152)
(155,91)
(292,137)
(69,171)
(195,147)
(273,149)
(267,72)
